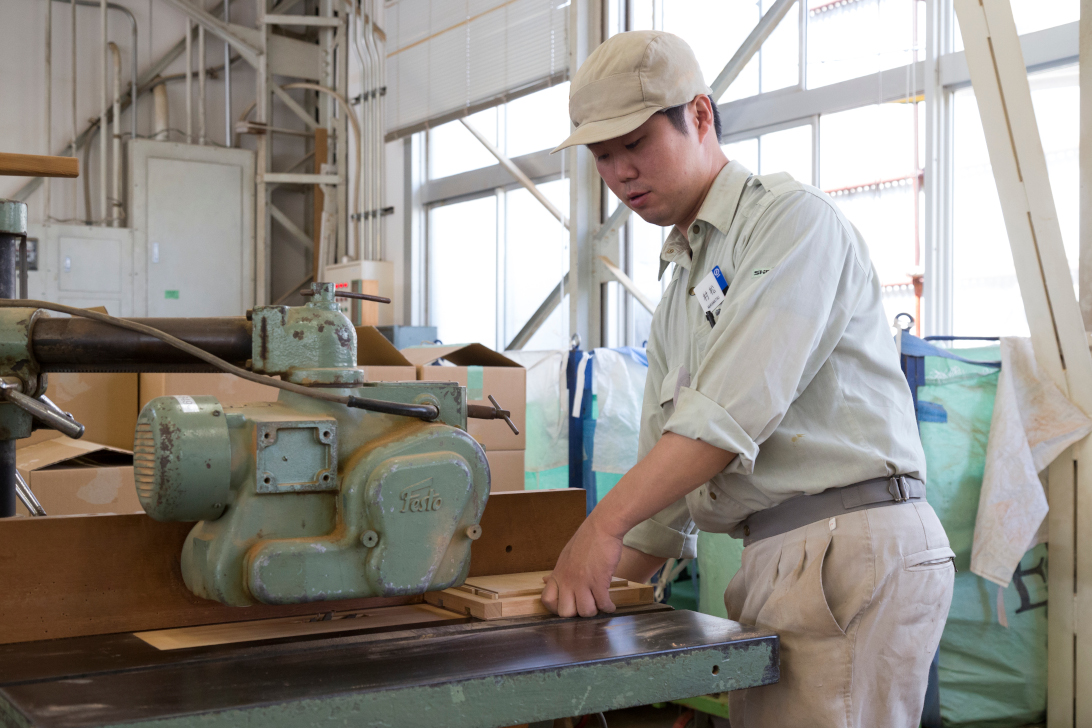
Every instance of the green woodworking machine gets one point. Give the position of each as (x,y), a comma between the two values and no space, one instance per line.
(370,489)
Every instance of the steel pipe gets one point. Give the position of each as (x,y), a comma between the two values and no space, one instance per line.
(83,345)
(8,478)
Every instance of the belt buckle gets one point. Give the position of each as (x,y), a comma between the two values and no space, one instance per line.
(898,489)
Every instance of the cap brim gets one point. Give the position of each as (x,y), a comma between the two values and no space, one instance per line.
(600,131)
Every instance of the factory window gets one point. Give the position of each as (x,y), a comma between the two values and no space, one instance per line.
(869,163)
(987,299)
(867,153)
(519,127)
(462,261)
(1034,15)
(518,251)
(852,38)
(715,29)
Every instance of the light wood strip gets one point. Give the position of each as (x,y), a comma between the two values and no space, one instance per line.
(304,625)
(35,165)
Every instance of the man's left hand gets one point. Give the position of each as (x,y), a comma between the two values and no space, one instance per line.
(580,581)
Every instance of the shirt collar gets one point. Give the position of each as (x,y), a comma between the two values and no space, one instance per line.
(718,209)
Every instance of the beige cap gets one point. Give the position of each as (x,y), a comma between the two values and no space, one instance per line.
(626,80)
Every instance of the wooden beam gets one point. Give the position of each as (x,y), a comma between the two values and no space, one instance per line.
(36,165)
(73,576)
(999,77)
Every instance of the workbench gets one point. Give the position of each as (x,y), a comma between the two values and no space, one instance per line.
(97,628)
(463,674)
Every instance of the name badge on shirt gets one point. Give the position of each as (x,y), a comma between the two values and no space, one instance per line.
(710,291)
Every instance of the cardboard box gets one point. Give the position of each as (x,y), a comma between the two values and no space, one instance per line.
(483,372)
(505,470)
(380,360)
(104,403)
(74,477)
(227,388)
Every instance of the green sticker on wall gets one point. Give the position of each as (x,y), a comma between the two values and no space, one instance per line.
(170,294)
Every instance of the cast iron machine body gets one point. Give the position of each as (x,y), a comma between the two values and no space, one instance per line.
(299,500)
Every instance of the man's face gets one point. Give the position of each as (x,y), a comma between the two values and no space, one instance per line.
(655,169)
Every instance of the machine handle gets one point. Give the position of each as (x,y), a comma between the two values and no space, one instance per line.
(350,294)
(60,421)
(36,165)
(30,501)
(485,412)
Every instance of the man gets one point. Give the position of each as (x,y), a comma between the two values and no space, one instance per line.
(774,411)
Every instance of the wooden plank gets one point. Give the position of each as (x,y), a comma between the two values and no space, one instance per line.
(489,607)
(526,530)
(996,64)
(35,165)
(1060,553)
(71,576)
(305,625)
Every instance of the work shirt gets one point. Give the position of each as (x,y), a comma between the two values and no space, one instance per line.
(799,375)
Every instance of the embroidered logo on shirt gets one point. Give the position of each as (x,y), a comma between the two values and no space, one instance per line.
(759,272)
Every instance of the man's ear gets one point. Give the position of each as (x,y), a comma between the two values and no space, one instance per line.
(703,116)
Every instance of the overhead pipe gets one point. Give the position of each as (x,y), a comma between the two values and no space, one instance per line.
(162,113)
(189,81)
(375,142)
(364,152)
(227,80)
(380,138)
(75,210)
(145,82)
(117,214)
(132,49)
(202,119)
(353,29)
(47,206)
(104,141)
(347,109)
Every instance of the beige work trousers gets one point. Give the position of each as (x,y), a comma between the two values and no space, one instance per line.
(859,602)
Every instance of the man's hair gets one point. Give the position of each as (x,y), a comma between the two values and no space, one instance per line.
(677,116)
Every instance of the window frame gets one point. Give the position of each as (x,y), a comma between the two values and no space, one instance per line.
(764,113)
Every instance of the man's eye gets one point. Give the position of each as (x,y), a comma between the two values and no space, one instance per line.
(633,145)
(602,158)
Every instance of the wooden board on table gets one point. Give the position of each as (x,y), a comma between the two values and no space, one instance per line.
(301,626)
(515,601)
(74,576)
(513,585)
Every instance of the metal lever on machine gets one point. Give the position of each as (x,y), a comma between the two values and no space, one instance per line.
(49,414)
(30,501)
(350,294)
(485,412)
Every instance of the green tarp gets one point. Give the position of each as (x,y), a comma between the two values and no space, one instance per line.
(990,675)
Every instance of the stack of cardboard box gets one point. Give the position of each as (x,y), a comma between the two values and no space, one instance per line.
(95,474)
(484,372)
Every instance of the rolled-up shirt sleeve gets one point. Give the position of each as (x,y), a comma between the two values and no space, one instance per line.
(796,286)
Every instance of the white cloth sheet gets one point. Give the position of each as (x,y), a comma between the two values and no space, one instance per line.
(547,408)
(619,385)
(1033,423)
